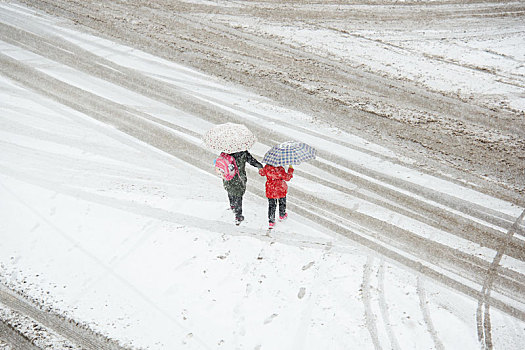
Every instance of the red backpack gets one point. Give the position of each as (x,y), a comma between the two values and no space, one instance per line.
(226,167)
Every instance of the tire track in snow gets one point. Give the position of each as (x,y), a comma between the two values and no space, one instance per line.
(306,210)
(142,235)
(423,305)
(83,337)
(383,305)
(131,123)
(13,340)
(394,237)
(483,311)
(510,78)
(370,318)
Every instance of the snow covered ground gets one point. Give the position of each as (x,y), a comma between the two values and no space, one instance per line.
(118,233)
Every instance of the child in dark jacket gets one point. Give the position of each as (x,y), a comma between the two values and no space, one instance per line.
(276,190)
(236,187)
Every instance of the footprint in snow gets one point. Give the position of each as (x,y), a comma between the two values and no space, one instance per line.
(307,266)
(302,292)
(270,319)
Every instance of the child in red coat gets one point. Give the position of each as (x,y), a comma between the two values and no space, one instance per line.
(276,189)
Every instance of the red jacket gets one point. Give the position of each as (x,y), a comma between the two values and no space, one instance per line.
(276,186)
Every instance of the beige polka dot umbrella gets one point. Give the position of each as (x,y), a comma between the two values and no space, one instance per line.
(229,138)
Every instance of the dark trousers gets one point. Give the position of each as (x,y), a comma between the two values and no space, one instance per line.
(272,205)
(236,205)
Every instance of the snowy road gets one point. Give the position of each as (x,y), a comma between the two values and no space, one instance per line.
(440,80)
(436,226)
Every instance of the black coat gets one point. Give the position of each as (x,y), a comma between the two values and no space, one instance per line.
(237,186)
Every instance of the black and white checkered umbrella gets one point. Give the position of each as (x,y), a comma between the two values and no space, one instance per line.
(289,153)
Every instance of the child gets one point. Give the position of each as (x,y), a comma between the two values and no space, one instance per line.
(276,189)
(236,187)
